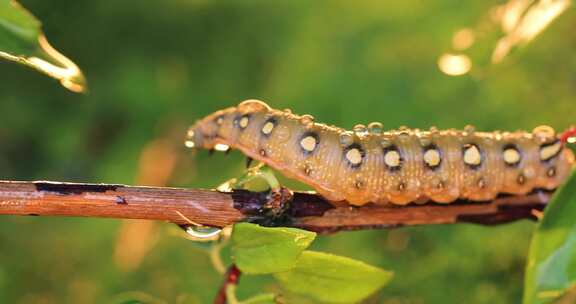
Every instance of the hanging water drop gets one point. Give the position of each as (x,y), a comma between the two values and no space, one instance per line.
(543,133)
(202,233)
(189,144)
(190,133)
(360,130)
(307,119)
(469,130)
(221,147)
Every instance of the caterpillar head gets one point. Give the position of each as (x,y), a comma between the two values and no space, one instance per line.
(220,126)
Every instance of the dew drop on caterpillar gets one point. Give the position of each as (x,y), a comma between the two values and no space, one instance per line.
(397,166)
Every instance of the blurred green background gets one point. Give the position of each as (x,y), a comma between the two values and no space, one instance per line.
(154,67)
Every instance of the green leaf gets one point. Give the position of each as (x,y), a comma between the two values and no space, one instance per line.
(22,41)
(262,250)
(265,298)
(551,267)
(332,278)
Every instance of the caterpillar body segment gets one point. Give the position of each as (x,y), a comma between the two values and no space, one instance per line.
(398,166)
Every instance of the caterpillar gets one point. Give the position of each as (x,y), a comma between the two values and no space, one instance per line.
(399,166)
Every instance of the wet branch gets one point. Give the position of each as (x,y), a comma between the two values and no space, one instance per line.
(212,208)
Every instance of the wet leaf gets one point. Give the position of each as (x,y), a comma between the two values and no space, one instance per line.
(334,279)
(551,268)
(262,250)
(22,41)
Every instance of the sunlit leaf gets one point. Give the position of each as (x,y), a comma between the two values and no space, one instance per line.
(522,21)
(136,297)
(22,41)
(551,268)
(261,250)
(332,278)
(266,298)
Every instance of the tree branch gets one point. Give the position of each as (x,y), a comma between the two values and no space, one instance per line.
(212,208)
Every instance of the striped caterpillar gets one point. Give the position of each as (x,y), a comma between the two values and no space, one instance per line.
(398,166)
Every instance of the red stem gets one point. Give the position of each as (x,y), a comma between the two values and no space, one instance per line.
(571,132)
(232,277)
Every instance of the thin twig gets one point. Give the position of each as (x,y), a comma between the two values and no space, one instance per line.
(218,209)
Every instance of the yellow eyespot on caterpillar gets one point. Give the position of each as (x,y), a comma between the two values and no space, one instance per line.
(472,155)
(371,165)
(432,157)
(511,155)
(309,142)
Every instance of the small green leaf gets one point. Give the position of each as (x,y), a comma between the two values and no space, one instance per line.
(265,298)
(551,267)
(22,41)
(332,278)
(262,250)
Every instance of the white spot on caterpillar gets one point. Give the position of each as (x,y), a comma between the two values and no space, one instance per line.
(354,156)
(432,157)
(189,144)
(267,128)
(472,155)
(511,156)
(550,150)
(243,123)
(308,143)
(392,159)
(221,147)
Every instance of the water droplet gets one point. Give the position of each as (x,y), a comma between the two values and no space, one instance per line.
(287,111)
(434,129)
(543,133)
(189,144)
(190,133)
(307,119)
(203,233)
(425,141)
(360,130)
(385,143)
(404,133)
(497,135)
(227,186)
(346,139)
(470,129)
(375,128)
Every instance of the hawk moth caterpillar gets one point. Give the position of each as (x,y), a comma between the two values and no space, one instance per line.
(399,166)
